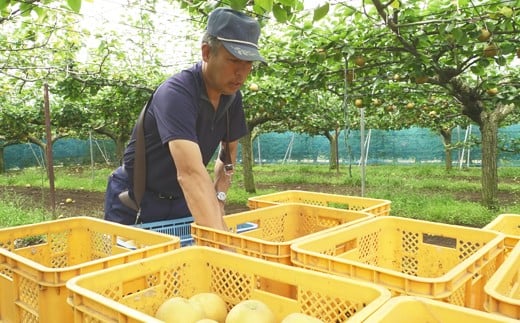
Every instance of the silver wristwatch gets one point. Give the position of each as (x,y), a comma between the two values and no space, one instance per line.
(221,196)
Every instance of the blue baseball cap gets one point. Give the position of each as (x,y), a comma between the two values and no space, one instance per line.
(237,31)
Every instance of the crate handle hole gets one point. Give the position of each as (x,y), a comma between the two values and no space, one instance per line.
(439,240)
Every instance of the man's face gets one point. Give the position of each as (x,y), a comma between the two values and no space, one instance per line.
(225,73)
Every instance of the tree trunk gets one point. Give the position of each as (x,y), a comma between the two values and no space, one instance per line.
(247,163)
(120,141)
(489,133)
(446,138)
(333,159)
(120,148)
(2,165)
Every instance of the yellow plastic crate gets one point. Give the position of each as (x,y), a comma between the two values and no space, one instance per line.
(508,224)
(503,288)
(132,292)
(354,203)
(410,257)
(277,227)
(37,260)
(413,309)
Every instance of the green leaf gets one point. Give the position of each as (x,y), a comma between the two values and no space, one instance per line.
(485,62)
(25,9)
(74,5)
(478,70)
(238,4)
(279,13)
(265,4)
(501,61)
(258,10)
(506,12)
(507,48)
(321,12)
(4,4)
(39,11)
(458,34)
(348,10)
(289,3)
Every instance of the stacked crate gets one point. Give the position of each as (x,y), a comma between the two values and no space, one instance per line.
(509,225)
(433,261)
(337,258)
(276,228)
(133,292)
(503,288)
(282,218)
(37,260)
(414,309)
(410,257)
(257,269)
(377,207)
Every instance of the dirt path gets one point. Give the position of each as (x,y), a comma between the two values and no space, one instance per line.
(79,202)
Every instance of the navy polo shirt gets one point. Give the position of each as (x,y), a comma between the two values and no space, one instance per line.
(180,109)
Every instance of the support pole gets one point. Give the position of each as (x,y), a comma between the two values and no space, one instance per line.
(259,151)
(48,150)
(362,157)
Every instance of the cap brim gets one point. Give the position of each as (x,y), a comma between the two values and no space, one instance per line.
(244,52)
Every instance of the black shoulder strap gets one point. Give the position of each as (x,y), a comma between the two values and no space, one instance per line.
(226,158)
(139,179)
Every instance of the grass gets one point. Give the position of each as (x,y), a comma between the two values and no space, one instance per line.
(426,192)
(64,178)
(13,211)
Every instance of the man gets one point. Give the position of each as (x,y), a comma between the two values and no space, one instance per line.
(189,116)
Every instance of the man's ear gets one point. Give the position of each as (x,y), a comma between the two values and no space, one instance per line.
(206,52)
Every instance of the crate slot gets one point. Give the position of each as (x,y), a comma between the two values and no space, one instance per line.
(439,240)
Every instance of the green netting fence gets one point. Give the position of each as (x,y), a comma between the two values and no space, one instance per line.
(415,145)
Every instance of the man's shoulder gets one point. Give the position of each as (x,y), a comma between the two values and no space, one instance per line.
(193,72)
(189,79)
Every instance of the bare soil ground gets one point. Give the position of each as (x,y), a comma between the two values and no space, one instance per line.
(91,203)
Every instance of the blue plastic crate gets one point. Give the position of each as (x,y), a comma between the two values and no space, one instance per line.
(182,228)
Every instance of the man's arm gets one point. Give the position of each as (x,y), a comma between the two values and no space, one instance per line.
(196,184)
(222,179)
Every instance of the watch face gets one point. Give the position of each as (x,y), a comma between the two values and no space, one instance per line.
(221,196)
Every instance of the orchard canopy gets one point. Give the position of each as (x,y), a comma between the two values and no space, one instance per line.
(333,66)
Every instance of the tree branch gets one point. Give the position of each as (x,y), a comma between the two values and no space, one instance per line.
(18,12)
(394,27)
